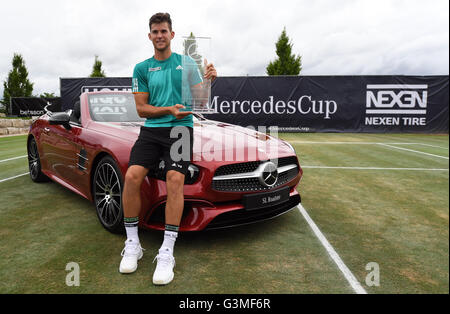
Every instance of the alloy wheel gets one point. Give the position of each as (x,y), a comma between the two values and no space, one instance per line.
(107,194)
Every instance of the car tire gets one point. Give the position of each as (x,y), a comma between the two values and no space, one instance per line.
(34,162)
(107,185)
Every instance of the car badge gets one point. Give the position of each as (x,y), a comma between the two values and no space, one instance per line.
(269,174)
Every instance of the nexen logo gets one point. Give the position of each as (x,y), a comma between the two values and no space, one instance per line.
(396,99)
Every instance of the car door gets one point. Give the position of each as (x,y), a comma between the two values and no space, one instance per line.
(77,173)
(46,144)
(62,149)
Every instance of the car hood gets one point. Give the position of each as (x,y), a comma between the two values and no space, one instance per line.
(212,137)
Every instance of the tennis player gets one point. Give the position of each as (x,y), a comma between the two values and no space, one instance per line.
(157,92)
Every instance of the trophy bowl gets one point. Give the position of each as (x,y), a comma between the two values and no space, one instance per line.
(195,88)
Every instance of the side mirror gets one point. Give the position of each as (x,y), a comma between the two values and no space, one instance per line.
(60,118)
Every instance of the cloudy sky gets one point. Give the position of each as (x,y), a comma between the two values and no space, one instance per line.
(334,37)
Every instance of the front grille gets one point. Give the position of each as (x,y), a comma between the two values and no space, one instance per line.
(287,161)
(237,168)
(253,183)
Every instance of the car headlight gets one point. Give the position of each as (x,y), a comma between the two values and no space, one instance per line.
(290,146)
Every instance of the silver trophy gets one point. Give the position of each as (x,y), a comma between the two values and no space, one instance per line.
(195,89)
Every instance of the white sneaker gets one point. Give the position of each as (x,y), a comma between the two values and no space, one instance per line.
(164,268)
(131,254)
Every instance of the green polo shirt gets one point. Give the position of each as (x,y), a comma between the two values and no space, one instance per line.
(165,81)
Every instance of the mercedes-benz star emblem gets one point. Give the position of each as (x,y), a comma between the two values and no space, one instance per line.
(269,174)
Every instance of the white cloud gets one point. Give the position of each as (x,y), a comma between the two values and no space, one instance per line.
(345,37)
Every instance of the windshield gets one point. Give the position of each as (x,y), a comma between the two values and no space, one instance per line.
(118,108)
(113,108)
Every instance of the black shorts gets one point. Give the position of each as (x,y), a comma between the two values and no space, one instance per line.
(155,143)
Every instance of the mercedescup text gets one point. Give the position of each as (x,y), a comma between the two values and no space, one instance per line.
(304,105)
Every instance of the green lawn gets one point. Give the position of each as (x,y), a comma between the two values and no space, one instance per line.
(396,218)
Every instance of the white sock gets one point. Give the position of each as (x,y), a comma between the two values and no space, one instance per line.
(132,234)
(169,241)
(131,227)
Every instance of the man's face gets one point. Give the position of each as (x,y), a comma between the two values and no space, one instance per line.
(160,35)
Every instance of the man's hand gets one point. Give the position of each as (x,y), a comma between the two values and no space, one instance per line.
(210,71)
(179,114)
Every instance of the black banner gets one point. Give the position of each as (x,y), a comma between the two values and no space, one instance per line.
(72,88)
(335,103)
(416,104)
(33,106)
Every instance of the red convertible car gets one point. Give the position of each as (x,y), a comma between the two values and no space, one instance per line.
(237,175)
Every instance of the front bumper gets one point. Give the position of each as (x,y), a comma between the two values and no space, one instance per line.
(203,215)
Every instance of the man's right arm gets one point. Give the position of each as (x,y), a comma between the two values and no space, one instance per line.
(141,95)
(145,110)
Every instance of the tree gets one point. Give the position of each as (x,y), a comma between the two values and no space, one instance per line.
(97,69)
(286,63)
(47,95)
(17,84)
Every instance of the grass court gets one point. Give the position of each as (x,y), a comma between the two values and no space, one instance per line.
(375,198)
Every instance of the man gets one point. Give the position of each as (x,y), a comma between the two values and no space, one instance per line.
(157,92)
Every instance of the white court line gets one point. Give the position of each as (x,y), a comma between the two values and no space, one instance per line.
(415,151)
(20,175)
(13,158)
(409,143)
(354,283)
(362,143)
(433,146)
(375,168)
(367,143)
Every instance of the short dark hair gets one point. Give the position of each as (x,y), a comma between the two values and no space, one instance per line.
(159,18)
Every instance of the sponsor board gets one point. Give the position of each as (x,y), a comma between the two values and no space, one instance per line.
(396,105)
(85,89)
(314,103)
(72,88)
(33,106)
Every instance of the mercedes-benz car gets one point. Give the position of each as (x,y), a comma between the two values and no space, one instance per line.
(237,175)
